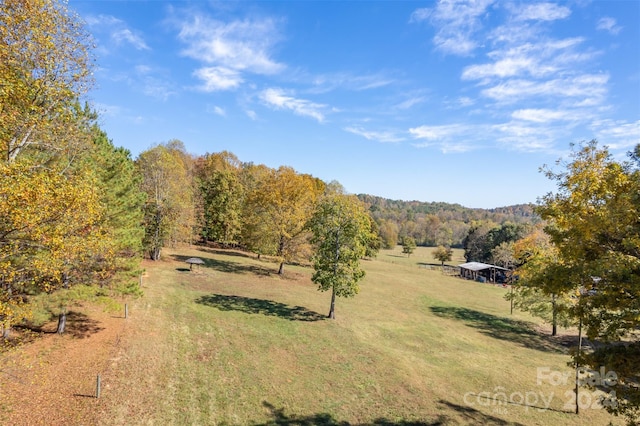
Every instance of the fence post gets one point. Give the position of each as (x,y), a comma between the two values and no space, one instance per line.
(126,311)
(98,387)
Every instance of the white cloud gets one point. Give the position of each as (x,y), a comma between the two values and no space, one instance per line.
(608,24)
(329,82)
(218,78)
(278,98)
(465,101)
(542,115)
(217,110)
(525,136)
(409,103)
(383,136)
(537,59)
(251,114)
(435,133)
(126,35)
(449,138)
(456,23)
(420,15)
(241,45)
(617,134)
(152,82)
(542,12)
(118,31)
(584,90)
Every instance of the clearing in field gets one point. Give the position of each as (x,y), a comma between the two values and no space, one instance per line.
(231,342)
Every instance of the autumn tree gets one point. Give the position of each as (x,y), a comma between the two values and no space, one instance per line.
(49,229)
(408,245)
(277,208)
(222,196)
(169,213)
(593,224)
(45,66)
(341,231)
(388,234)
(443,254)
(544,287)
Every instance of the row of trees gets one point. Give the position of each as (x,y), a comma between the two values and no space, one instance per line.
(218,198)
(277,212)
(70,203)
(74,209)
(434,223)
(583,267)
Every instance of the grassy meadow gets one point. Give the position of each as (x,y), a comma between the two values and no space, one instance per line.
(231,342)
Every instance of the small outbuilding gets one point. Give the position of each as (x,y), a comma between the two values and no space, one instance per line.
(482,272)
(194,261)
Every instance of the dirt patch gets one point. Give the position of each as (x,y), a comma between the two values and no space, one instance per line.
(51,379)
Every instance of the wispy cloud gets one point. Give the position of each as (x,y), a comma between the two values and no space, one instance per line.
(411,102)
(217,110)
(218,78)
(348,81)
(608,24)
(230,48)
(448,138)
(541,12)
(581,90)
(117,30)
(531,58)
(152,82)
(617,134)
(280,99)
(380,136)
(546,115)
(522,136)
(457,23)
(125,35)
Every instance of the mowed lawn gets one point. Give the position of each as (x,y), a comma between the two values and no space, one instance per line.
(231,342)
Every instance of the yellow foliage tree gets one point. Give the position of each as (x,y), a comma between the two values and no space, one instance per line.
(45,65)
(48,230)
(278,208)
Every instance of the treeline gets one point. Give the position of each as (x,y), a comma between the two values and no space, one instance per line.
(70,202)
(218,198)
(441,224)
(76,210)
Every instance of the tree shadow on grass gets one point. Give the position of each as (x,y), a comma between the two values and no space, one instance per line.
(80,326)
(224,266)
(228,252)
(259,306)
(520,332)
(470,415)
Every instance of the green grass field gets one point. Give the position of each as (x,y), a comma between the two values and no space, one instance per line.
(233,343)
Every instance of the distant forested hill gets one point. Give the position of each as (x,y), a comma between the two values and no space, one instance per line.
(438,223)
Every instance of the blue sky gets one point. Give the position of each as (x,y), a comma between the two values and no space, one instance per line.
(434,101)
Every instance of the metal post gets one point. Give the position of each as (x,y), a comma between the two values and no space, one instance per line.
(126,311)
(98,387)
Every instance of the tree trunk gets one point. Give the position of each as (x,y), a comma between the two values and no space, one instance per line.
(154,253)
(554,313)
(62,322)
(332,309)
(6,331)
(280,254)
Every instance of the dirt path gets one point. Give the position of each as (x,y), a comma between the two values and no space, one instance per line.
(52,380)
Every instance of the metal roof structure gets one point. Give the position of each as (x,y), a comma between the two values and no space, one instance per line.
(478,266)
